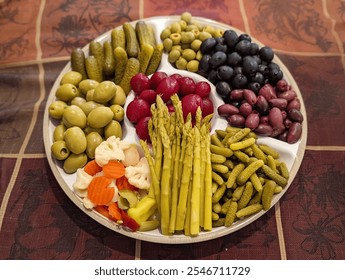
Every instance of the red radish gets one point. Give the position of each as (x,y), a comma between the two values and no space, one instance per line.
(207,107)
(176,76)
(167,88)
(156,78)
(203,89)
(190,104)
(149,95)
(137,109)
(140,82)
(187,85)
(142,130)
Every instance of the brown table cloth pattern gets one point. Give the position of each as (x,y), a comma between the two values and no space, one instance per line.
(38,221)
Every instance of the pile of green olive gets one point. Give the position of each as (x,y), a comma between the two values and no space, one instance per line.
(89,112)
(182,40)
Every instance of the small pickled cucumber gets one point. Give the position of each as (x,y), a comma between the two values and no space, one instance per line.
(78,62)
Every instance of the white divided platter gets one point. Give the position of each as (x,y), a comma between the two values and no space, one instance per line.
(292,154)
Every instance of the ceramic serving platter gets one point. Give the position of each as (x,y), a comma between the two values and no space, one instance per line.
(291,154)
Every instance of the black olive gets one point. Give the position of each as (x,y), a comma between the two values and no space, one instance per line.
(221,47)
(223,89)
(249,65)
(254,86)
(234,59)
(212,76)
(254,48)
(239,81)
(217,59)
(244,37)
(258,77)
(231,38)
(275,75)
(204,65)
(225,72)
(266,54)
(243,47)
(208,45)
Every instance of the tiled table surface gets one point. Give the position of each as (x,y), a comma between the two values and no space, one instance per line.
(38,221)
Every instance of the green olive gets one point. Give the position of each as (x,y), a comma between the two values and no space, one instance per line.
(59,150)
(86,85)
(118,112)
(56,109)
(188,54)
(59,132)
(173,56)
(175,27)
(195,45)
(187,37)
(193,65)
(181,63)
(186,16)
(120,96)
(71,77)
(204,35)
(113,129)
(75,140)
(100,117)
(167,43)
(66,92)
(93,140)
(74,116)
(88,106)
(89,95)
(104,92)
(78,101)
(73,162)
(166,32)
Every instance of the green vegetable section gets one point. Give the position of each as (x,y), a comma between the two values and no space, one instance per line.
(180,165)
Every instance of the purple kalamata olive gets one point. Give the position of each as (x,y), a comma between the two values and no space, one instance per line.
(282,85)
(252,121)
(236,95)
(236,120)
(295,132)
(294,104)
(268,92)
(275,117)
(262,105)
(281,103)
(245,109)
(250,96)
(288,95)
(295,115)
(264,129)
(226,110)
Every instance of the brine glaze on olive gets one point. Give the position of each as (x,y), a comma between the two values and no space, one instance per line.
(93,140)
(113,128)
(75,140)
(59,132)
(71,77)
(100,117)
(56,109)
(60,150)
(74,116)
(73,162)
(66,92)
(104,92)
(86,85)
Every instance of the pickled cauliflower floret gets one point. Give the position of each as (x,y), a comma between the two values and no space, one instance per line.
(82,181)
(111,149)
(139,174)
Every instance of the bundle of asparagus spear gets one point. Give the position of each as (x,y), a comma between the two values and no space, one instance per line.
(181,172)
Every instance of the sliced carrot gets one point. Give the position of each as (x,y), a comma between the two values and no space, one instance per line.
(103,210)
(114,169)
(92,168)
(114,211)
(98,191)
(123,184)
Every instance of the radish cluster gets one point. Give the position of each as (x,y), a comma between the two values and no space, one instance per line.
(192,95)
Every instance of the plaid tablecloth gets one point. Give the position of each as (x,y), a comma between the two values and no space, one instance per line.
(37,219)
